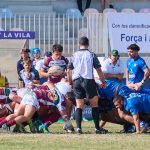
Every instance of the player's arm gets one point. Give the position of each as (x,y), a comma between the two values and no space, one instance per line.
(146,71)
(14,97)
(64,73)
(101,76)
(127,77)
(146,74)
(125,116)
(130,85)
(70,67)
(20,80)
(118,76)
(20,84)
(35,81)
(43,73)
(97,66)
(69,76)
(37,77)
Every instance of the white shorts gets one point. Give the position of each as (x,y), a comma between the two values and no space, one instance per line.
(30,99)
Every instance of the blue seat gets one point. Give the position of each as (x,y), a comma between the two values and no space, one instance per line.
(73,13)
(108,10)
(89,11)
(127,10)
(6,13)
(1,29)
(144,10)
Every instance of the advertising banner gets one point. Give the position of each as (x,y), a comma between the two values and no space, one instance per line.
(17,35)
(125,29)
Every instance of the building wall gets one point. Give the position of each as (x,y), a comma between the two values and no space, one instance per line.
(60,6)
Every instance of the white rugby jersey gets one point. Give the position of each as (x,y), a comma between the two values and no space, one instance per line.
(82,64)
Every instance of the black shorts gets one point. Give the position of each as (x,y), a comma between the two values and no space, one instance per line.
(84,88)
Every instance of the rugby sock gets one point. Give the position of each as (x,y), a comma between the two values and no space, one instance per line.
(11,122)
(3,121)
(78,117)
(52,118)
(95,115)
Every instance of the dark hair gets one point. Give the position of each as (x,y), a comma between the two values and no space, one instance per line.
(111,6)
(134,47)
(25,50)
(84,41)
(57,47)
(117,98)
(48,54)
(29,61)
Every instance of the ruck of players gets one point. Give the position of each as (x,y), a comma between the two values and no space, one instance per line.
(51,86)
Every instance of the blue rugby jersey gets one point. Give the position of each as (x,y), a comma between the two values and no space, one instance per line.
(137,102)
(110,89)
(135,69)
(123,90)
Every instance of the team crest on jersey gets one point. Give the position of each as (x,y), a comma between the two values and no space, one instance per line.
(52,94)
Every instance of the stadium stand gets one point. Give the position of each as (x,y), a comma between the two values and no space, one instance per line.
(144,10)
(107,10)
(6,13)
(43,17)
(127,10)
(16,29)
(1,29)
(90,11)
(83,32)
(31,9)
(73,13)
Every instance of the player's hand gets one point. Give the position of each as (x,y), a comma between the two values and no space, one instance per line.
(137,86)
(102,85)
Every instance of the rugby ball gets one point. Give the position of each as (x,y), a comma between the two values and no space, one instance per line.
(56,70)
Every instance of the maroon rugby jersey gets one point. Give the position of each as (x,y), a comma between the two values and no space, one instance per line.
(42,93)
(50,62)
(2,91)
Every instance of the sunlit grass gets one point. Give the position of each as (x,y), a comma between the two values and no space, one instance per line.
(58,139)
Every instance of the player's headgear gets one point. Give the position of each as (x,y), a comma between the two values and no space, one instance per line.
(35,50)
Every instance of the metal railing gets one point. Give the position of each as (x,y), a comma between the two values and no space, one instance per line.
(62,29)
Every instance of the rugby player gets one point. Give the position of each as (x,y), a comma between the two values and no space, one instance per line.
(135,103)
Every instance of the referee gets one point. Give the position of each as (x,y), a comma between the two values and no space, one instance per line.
(80,74)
